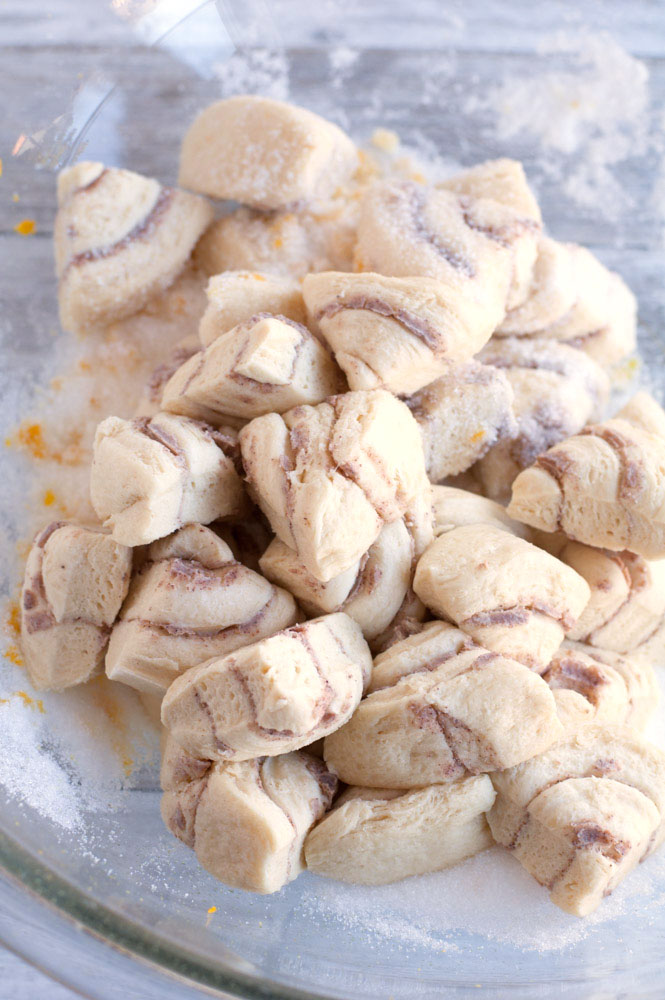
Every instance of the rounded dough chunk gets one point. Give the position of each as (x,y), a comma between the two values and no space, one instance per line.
(329,477)
(501,180)
(441,707)
(264,153)
(151,476)
(461,416)
(374,836)
(273,696)
(580,816)
(593,685)
(119,239)
(267,364)
(475,245)
(246,821)
(75,581)
(290,244)
(236,296)
(627,601)
(454,508)
(605,487)
(395,333)
(371,591)
(190,601)
(503,591)
(556,391)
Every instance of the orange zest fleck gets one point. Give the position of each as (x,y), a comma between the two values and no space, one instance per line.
(13,655)
(14,618)
(478,436)
(418,177)
(0,167)
(15,198)
(25,227)
(49,498)
(278,243)
(31,437)
(212,909)
(85,366)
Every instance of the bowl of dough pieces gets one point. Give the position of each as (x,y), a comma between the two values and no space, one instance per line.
(334,503)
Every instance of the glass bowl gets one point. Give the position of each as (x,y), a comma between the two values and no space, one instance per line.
(94,890)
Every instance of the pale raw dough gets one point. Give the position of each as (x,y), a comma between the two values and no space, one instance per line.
(580,816)
(246,821)
(236,296)
(454,508)
(442,707)
(190,601)
(75,581)
(119,239)
(501,180)
(375,835)
(503,591)
(264,153)
(329,477)
(151,476)
(274,696)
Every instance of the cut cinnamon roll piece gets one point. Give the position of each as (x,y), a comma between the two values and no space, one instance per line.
(396,333)
(328,477)
(236,296)
(556,391)
(604,486)
(246,821)
(264,153)
(501,590)
(151,401)
(374,836)
(441,707)
(190,601)
(75,581)
(268,364)
(276,695)
(580,816)
(454,508)
(151,476)
(119,239)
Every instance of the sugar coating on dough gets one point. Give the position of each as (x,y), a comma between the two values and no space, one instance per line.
(440,707)
(267,364)
(246,821)
(76,579)
(454,507)
(188,602)
(236,296)
(264,153)
(604,486)
(501,180)
(119,239)
(461,415)
(374,836)
(580,816)
(328,477)
(503,591)
(273,696)
(150,476)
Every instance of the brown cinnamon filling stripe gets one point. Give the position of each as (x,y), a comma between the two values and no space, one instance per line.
(631,474)
(138,232)
(416,325)
(416,202)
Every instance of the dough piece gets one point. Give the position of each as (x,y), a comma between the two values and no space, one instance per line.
(119,239)
(329,477)
(643,411)
(627,596)
(267,364)
(374,835)
(573,298)
(442,707)
(191,601)
(557,390)
(501,180)
(151,476)
(371,591)
(454,508)
(273,696)
(290,244)
(474,245)
(264,153)
(246,821)
(236,296)
(76,579)
(461,416)
(580,816)
(504,592)
(150,403)
(600,686)
(394,333)
(605,487)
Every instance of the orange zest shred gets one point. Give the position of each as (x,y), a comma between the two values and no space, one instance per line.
(278,243)
(13,655)
(15,197)
(14,618)
(25,227)
(49,498)
(0,167)
(212,909)
(478,436)
(31,437)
